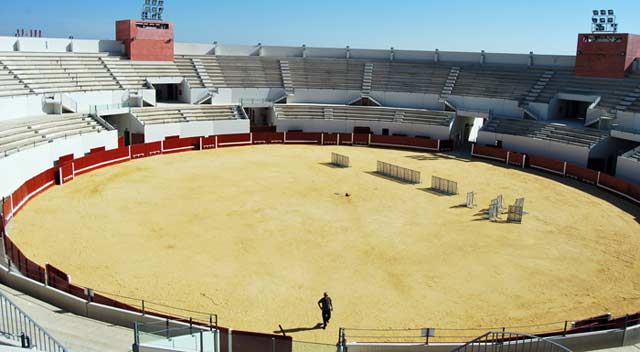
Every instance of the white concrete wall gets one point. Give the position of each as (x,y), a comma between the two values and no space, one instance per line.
(346,126)
(500,107)
(33,105)
(628,169)
(155,133)
(20,167)
(373,54)
(61,45)
(324,96)
(565,152)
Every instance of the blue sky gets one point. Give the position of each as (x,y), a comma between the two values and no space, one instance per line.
(544,26)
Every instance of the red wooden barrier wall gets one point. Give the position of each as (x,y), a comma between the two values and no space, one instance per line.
(101,159)
(65,173)
(517,159)
(303,138)
(490,152)
(346,138)
(405,142)
(547,164)
(360,139)
(582,174)
(230,140)
(176,144)
(32,187)
(145,150)
(329,138)
(268,137)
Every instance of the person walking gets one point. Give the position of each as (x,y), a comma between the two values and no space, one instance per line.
(326,306)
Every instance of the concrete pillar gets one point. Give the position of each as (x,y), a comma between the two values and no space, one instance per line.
(482,57)
(436,56)
(215,48)
(530,58)
(348,52)
(304,50)
(392,54)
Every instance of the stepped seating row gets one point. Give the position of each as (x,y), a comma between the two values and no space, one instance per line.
(612,91)
(327,73)
(242,71)
(635,155)
(64,73)
(546,131)
(187,70)
(500,82)
(29,133)
(409,78)
(365,113)
(187,113)
(10,84)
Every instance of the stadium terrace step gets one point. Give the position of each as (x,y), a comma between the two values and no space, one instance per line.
(546,131)
(365,113)
(16,136)
(186,113)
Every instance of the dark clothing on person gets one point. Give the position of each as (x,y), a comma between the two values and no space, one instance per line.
(326,306)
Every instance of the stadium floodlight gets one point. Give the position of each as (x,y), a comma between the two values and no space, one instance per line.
(604,21)
(153,10)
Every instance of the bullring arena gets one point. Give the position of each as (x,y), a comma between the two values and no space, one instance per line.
(166,196)
(206,231)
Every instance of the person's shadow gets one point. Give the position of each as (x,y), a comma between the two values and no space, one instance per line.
(301,329)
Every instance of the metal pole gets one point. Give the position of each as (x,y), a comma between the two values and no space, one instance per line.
(564,332)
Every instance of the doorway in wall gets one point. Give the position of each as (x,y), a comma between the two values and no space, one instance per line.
(168,93)
(571,110)
(260,117)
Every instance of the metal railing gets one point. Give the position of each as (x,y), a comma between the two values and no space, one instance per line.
(95,109)
(510,342)
(176,334)
(17,325)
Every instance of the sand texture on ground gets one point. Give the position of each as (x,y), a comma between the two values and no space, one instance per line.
(256,234)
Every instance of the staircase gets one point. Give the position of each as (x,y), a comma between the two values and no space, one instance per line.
(398,117)
(286,78)
(328,113)
(538,87)
(203,75)
(450,83)
(106,66)
(367,78)
(629,100)
(2,64)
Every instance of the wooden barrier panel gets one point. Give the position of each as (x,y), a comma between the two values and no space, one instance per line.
(360,139)
(329,138)
(145,150)
(547,164)
(268,137)
(209,142)
(405,142)
(31,188)
(177,144)
(65,159)
(24,265)
(517,159)
(6,211)
(65,173)
(303,138)
(582,174)
(620,186)
(345,138)
(245,341)
(488,152)
(101,159)
(230,140)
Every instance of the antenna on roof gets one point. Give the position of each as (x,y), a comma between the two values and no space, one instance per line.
(604,21)
(153,10)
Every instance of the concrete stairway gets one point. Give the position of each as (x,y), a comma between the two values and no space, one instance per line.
(450,83)
(367,78)
(538,87)
(286,77)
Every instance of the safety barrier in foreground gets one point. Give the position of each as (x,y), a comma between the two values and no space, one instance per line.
(600,179)
(510,342)
(17,325)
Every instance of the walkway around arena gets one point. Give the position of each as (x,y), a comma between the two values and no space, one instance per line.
(633,348)
(74,332)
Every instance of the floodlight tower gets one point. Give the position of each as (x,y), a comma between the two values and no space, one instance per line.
(604,52)
(150,38)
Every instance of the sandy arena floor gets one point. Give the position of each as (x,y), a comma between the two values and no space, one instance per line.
(256,234)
